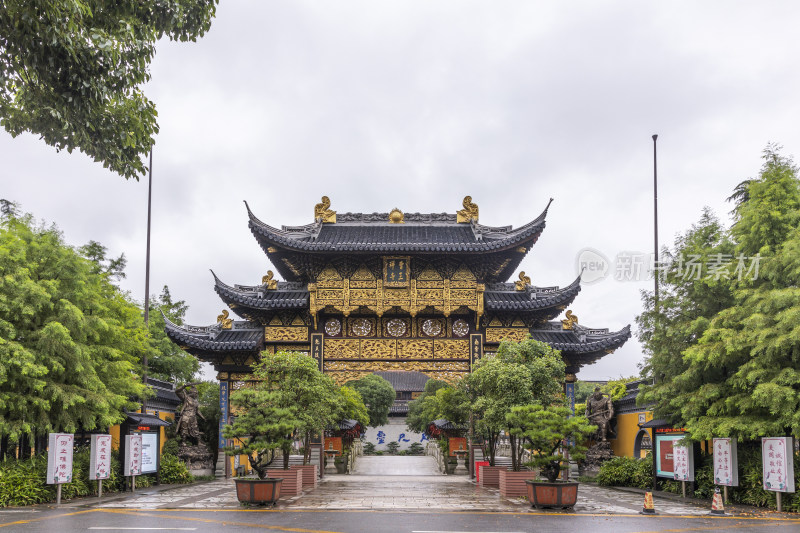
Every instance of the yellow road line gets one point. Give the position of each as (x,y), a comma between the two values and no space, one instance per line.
(428,511)
(156,514)
(32,520)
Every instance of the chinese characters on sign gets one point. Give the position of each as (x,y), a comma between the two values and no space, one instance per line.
(777,464)
(726,465)
(683,462)
(395,271)
(59,458)
(223,405)
(133,455)
(149,453)
(100,458)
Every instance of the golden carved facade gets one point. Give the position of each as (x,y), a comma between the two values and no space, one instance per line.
(285,334)
(495,335)
(396,349)
(364,290)
(343,371)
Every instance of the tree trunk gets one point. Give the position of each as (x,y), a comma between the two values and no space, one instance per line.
(286,451)
(3,448)
(514,459)
(307,448)
(24,447)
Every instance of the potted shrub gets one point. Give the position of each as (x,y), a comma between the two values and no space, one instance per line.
(548,433)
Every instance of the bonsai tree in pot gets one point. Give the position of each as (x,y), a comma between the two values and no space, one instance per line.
(261,427)
(551,434)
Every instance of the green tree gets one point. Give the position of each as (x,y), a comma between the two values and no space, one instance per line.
(547,431)
(71,72)
(519,374)
(168,361)
(688,301)
(70,341)
(208,398)
(417,420)
(738,375)
(378,396)
(352,406)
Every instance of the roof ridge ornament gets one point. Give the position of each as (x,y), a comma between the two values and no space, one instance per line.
(570,322)
(469,213)
(523,283)
(396,216)
(224,321)
(267,280)
(323,212)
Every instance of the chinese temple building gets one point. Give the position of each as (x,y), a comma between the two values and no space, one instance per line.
(394,291)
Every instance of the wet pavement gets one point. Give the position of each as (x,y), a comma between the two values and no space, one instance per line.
(393,483)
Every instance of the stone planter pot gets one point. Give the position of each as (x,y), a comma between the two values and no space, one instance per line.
(341,465)
(512,484)
(258,491)
(292,480)
(490,475)
(310,474)
(543,494)
(450,467)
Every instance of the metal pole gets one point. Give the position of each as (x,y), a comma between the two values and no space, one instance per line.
(147,274)
(777,494)
(655,279)
(58,495)
(655,223)
(99,488)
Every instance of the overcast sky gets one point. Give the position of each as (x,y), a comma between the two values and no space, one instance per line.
(415,105)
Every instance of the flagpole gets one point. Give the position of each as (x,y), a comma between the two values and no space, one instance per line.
(147,274)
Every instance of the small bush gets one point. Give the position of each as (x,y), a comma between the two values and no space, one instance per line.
(392,447)
(171,447)
(378,452)
(415,449)
(173,470)
(369,448)
(626,472)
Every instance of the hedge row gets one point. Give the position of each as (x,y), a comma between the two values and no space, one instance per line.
(630,472)
(23,482)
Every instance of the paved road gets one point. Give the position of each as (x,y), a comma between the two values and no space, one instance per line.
(387,495)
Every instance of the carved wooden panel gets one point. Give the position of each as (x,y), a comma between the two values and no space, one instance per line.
(512,334)
(342,349)
(378,349)
(451,349)
(415,349)
(287,334)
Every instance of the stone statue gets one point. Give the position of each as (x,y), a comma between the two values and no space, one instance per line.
(188,428)
(599,411)
(192,450)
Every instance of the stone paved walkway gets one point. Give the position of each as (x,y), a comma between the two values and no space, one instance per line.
(394,483)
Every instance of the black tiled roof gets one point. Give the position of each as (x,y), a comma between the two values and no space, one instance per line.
(288,295)
(510,299)
(582,340)
(374,233)
(404,381)
(143,419)
(243,337)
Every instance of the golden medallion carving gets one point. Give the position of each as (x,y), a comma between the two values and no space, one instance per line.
(224,321)
(523,283)
(396,216)
(269,282)
(570,321)
(286,334)
(469,213)
(322,211)
(512,334)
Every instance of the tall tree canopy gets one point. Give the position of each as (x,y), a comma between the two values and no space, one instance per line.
(71,71)
(378,396)
(726,357)
(168,362)
(70,340)
(518,374)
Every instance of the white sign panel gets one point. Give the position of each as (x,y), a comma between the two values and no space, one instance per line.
(726,464)
(133,455)
(100,457)
(777,464)
(683,458)
(59,458)
(149,452)
(383,435)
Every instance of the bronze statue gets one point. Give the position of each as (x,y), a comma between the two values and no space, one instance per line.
(187,423)
(599,411)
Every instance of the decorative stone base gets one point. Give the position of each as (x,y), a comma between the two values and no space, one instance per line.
(595,457)
(196,457)
(202,471)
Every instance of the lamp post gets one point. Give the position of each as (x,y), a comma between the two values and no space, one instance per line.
(147,274)
(655,281)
